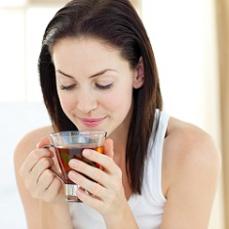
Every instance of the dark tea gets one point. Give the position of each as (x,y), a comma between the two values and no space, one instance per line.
(66,153)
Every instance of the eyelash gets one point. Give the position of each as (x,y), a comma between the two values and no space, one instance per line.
(62,87)
(104,87)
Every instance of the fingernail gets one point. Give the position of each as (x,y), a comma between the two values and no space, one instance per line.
(72,162)
(71,175)
(86,152)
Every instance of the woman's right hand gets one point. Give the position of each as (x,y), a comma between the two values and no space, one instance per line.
(38,177)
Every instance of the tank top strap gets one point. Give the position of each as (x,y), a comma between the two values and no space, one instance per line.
(155,156)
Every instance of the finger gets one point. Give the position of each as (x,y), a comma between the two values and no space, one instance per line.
(44,181)
(52,190)
(41,166)
(109,147)
(32,160)
(33,177)
(57,174)
(88,185)
(105,161)
(92,172)
(44,141)
(89,200)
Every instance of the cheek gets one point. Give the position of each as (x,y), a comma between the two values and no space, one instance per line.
(66,103)
(118,102)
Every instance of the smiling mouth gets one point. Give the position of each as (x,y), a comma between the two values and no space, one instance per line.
(92,122)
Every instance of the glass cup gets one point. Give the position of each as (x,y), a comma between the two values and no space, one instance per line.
(69,145)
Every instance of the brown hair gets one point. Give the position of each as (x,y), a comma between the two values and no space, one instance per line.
(117,23)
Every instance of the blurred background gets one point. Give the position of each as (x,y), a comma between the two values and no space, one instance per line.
(190,39)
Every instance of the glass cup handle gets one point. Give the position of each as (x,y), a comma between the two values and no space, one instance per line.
(48,146)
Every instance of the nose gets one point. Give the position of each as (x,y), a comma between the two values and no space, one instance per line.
(86,101)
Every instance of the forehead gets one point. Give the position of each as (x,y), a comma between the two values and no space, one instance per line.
(86,52)
(84,45)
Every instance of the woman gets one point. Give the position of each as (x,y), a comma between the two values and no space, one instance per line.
(97,71)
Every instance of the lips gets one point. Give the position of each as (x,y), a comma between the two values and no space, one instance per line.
(92,122)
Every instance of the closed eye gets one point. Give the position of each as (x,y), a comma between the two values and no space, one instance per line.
(99,86)
(104,87)
(69,87)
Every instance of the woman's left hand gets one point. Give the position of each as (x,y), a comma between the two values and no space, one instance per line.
(106,188)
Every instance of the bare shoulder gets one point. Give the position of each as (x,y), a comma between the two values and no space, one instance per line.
(190,174)
(188,149)
(29,141)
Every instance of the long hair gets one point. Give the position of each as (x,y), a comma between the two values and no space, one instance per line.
(117,23)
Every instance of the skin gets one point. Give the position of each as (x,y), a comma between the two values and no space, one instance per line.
(190,167)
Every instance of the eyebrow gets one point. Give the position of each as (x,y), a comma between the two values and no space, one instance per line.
(92,76)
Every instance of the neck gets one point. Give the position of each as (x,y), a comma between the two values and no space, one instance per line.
(120,141)
(120,137)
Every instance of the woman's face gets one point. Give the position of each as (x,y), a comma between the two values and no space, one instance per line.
(94,84)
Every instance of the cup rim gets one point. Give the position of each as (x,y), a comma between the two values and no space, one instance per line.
(77,132)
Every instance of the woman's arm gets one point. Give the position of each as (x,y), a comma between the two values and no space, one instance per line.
(193,165)
(39,214)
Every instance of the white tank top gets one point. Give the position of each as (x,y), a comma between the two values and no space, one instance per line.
(148,207)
